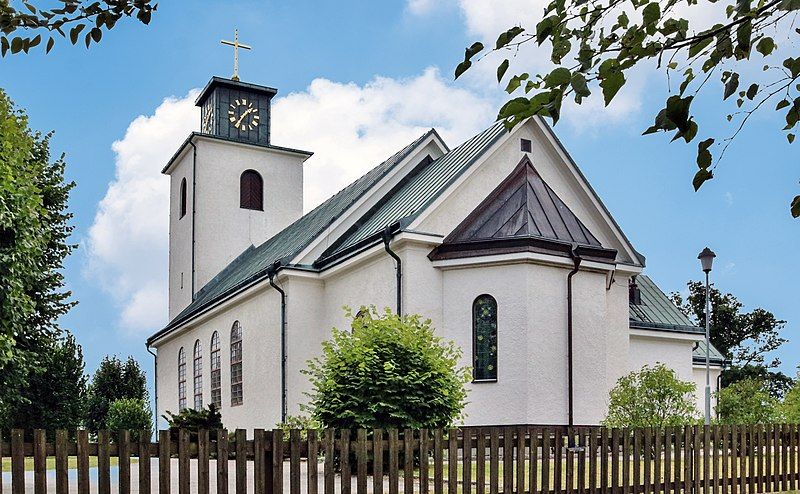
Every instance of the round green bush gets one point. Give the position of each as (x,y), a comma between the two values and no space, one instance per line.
(129,414)
(387,372)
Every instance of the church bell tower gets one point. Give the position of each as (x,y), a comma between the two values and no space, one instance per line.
(231,189)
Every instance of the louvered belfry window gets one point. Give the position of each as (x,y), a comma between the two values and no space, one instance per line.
(251,191)
(183,199)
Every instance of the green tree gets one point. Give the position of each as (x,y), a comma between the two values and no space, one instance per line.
(595,45)
(34,231)
(54,394)
(113,380)
(790,408)
(744,338)
(651,397)
(73,19)
(129,414)
(387,372)
(746,402)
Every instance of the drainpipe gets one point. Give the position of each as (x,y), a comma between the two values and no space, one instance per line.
(576,259)
(155,388)
(194,195)
(398,268)
(272,272)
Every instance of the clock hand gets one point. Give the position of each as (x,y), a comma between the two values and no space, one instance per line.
(243,115)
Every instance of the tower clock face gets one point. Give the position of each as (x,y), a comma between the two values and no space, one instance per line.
(243,115)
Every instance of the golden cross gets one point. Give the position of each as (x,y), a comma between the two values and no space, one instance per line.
(236,45)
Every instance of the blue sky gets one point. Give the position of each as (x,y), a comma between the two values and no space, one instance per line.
(379,72)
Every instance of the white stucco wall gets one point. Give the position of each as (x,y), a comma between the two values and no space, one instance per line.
(180,237)
(223,229)
(699,378)
(259,316)
(677,354)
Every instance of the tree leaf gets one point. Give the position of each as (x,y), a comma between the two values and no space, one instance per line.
(558,77)
(506,37)
(75,32)
(765,46)
(790,138)
(650,15)
(699,46)
(795,208)
(462,67)
(703,153)
(701,177)
(50,43)
(501,70)
(611,79)
(731,86)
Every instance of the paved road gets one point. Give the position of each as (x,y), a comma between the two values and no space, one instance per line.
(73,477)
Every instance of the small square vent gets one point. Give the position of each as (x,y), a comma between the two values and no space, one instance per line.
(525,145)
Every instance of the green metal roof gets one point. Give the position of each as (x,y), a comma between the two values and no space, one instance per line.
(659,313)
(420,189)
(253,263)
(714,355)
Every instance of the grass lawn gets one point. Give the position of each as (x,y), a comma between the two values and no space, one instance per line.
(51,463)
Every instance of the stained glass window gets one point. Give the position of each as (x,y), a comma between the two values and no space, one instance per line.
(484,328)
(181,379)
(216,372)
(198,375)
(237,395)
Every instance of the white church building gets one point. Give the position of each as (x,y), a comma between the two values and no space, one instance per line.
(500,241)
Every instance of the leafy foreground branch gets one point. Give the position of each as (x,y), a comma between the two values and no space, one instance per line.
(595,43)
(73,19)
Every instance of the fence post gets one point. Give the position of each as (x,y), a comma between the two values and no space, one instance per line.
(164,454)
(277,461)
(312,468)
(39,462)
(259,482)
(222,461)
(62,465)
(377,462)
(83,461)
(202,461)
(124,454)
(103,463)
(241,461)
(144,463)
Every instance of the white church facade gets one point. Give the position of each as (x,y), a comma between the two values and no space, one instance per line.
(500,241)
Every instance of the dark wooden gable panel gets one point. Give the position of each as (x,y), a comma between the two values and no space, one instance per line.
(522,207)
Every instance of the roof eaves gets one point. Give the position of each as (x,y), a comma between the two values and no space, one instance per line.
(194,134)
(675,328)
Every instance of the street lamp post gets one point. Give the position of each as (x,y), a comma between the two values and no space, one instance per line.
(706,260)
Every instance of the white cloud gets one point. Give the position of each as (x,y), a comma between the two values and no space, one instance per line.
(349,127)
(127,243)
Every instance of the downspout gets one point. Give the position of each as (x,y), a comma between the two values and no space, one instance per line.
(272,272)
(576,259)
(398,268)
(194,195)
(155,388)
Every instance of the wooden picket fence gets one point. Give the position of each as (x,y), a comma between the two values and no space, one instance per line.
(480,460)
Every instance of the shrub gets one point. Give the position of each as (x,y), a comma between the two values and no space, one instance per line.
(129,414)
(195,420)
(651,397)
(387,372)
(746,402)
(790,408)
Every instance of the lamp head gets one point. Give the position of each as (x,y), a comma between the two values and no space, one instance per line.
(706,259)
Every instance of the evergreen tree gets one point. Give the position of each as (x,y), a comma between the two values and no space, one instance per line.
(114,380)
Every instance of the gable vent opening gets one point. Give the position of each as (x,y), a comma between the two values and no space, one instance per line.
(525,145)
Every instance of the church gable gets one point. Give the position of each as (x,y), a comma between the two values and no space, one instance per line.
(555,168)
(522,214)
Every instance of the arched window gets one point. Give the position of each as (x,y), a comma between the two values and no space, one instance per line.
(484,338)
(216,372)
(237,397)
(181,379)
(198,375)
(183,198)
(251,191)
